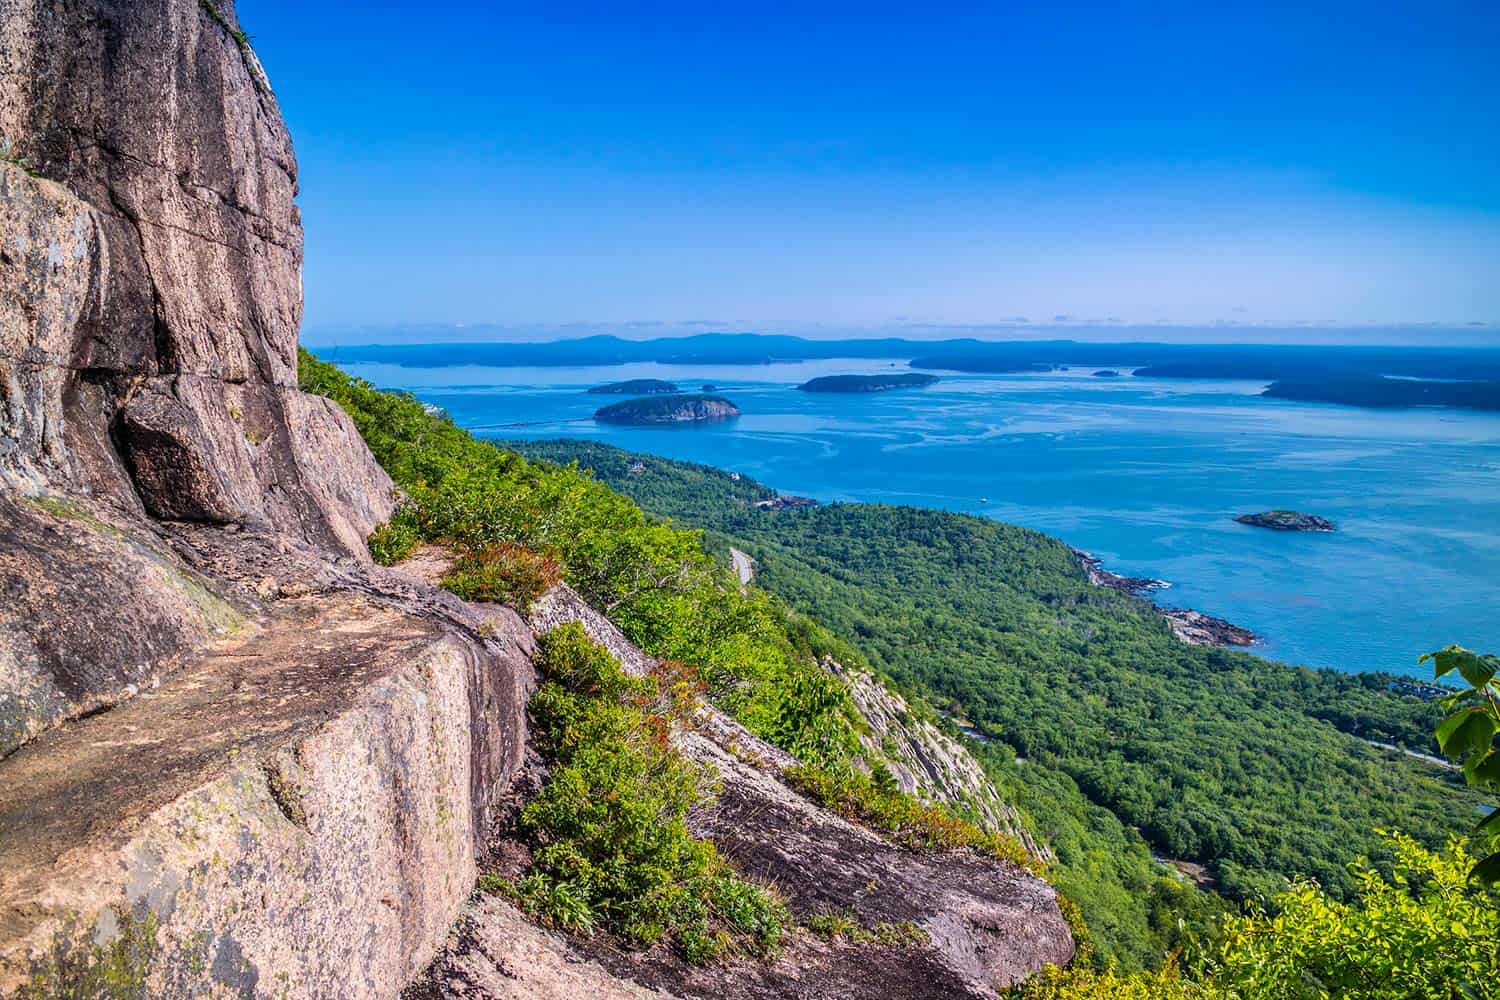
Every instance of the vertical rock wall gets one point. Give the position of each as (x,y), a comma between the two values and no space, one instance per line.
(151,284)
(150,300)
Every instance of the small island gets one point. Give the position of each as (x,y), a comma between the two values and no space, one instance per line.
(709,387)
(1287,520)
(866,383)
(677,409)
(1106,373)
(635,387)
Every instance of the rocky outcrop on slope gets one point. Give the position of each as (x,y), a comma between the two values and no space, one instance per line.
(326,835)
(976,923)
(929,763)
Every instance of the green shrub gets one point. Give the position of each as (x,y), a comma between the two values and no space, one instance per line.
(506,573)
(874,799)
(611,847)
(394,541)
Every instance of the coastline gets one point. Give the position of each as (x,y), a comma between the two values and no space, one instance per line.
(1192,627)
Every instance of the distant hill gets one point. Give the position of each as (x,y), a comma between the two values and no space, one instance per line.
(1268,362)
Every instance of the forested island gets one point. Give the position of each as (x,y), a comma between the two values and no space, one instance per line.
(1118,739)
(675,409)
(1287,520)
(979,364)
(1381,392)
(867,383)
(635,387)
(1106,373)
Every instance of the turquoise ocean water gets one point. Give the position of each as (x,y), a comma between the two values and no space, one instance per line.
(1146,474)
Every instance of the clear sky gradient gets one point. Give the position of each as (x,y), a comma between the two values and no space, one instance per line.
(821,168)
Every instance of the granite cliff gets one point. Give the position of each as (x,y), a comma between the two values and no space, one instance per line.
(237,758)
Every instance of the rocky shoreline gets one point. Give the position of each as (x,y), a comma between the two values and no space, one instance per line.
(1192,627)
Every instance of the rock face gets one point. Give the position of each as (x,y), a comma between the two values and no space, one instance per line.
(929,763)
(1287,520)
(150,297)
(152,290)
(678,409)
(219,724)
(327,836)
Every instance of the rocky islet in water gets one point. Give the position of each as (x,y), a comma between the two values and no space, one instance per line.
(1287,520)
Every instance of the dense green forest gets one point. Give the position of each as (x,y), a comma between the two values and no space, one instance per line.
(1113,735)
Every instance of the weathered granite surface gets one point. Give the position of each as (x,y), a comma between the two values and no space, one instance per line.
(929,763)
(295,810)
(217,720)
(151,293)
(150,298)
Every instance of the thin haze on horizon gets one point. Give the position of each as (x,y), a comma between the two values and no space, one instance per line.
(1276,172)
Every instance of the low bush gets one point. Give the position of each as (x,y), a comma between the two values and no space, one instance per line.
(506,573)
(611,847)
(875,800)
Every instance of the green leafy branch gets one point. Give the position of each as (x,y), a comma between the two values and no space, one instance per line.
(1467,734)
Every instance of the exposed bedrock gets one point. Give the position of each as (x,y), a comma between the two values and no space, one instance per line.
(151,288)
(295,813)
(150,297)
(982,923)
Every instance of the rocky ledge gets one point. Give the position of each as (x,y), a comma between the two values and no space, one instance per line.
(1287,520)
(866,383)
(677,409)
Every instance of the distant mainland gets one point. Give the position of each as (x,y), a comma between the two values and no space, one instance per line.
(1463,377)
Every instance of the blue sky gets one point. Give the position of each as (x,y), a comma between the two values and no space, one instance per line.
(830,167)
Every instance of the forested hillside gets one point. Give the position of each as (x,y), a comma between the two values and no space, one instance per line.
(1102,723)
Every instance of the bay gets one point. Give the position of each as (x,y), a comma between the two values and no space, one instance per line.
(1147,474)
